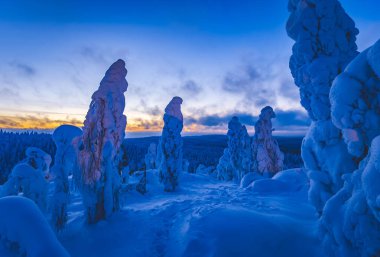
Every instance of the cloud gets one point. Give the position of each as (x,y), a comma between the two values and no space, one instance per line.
(154,111)
(192,87)
(289,90)
(291,118)
(23,69)
(283,119)
(249,82)
(35,122)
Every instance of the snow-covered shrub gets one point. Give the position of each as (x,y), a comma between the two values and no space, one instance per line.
(325,43)
(21,222)
(150,157)
(98,148)
(185,165)
(29,178)
(268,158)
(64,163)
(350,224)
(237,157)
(169,153)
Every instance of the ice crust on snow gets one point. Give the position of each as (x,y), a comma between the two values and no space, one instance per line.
(324,44)
(99,146)
(350,224)
(169,152)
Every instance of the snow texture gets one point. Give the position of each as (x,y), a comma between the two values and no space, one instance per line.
(268,158)
(237,157)
(169,157)
(325,43)
(64,163)
(23,224)
(99,146)
(151,156)
(29,178)
(350,224)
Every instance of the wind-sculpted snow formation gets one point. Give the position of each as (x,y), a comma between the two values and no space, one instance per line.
(325,43)
(99,146)
(237,157)
(150,157)
(64,161)
(21,222)
(169,152)
(350,224)
(30,177)
(268,158)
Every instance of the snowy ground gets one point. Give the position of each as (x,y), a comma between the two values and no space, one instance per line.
(205,217)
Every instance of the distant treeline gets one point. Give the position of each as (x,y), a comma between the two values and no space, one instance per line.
(197,150)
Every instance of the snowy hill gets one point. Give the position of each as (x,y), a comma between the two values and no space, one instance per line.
(203,218)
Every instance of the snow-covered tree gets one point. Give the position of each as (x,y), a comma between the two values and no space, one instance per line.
(97,175)
(268,158)
(325,43)
(350,223)
(150,157)
(169,157)
(63,166)
(237,157)
(30,177)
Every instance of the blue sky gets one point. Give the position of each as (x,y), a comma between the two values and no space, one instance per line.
(223,58)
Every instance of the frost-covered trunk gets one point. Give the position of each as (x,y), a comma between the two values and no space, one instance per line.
(350,224)
(98,148)
(237,157)
(325,43)
(268,158)
(63,165)
(169,157)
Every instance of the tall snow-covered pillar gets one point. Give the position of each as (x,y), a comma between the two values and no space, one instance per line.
(170,146)
(268,158)
(350,224)
(63,165)
(237,158)
(99,146)
(324,44)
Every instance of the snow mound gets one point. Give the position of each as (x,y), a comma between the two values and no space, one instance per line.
(23,223)
(293,180)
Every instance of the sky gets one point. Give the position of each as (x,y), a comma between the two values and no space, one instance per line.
(224,58)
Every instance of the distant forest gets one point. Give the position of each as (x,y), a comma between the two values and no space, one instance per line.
(197,150)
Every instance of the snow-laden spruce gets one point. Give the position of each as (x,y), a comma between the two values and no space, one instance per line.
(169,153)
(64,163)
(30,177)
(237,157)
(350,224)
(325,43)
(23,224)
(268,158)
(98,148)
(150,157)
